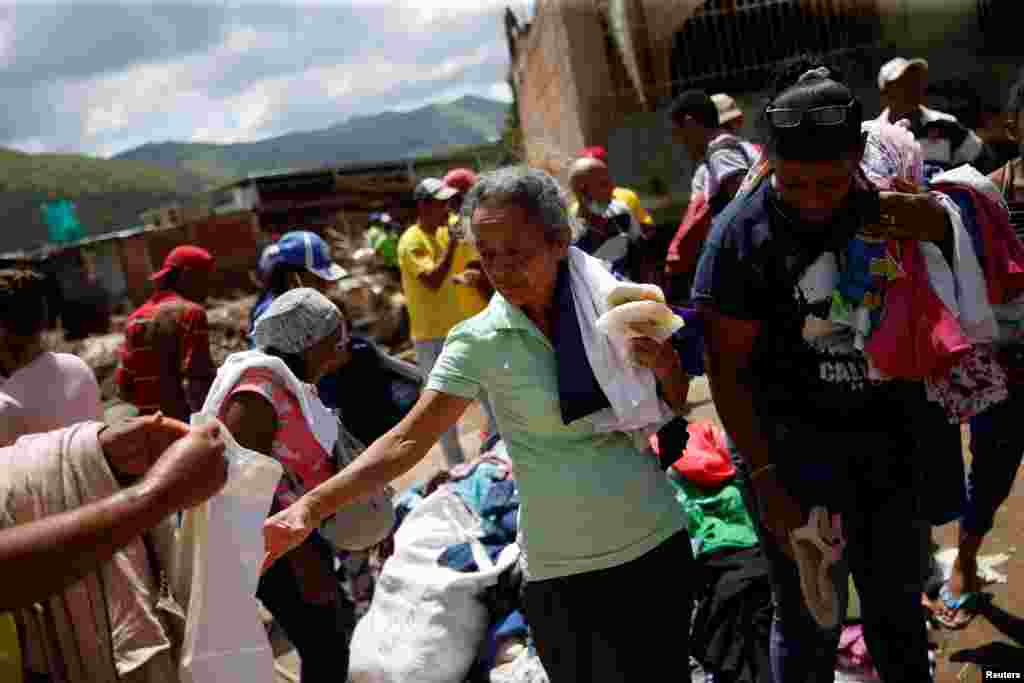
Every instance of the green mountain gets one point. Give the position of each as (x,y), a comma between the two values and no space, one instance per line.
(108,194)
(382,137)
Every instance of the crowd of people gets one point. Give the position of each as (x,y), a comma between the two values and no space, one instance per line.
(851,288)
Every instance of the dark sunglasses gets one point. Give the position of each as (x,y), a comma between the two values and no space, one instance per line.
(832,115)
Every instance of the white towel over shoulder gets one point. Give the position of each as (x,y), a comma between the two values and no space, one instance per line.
(631,390)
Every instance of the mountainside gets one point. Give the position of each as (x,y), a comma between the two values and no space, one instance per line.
(108,194)
(381,137)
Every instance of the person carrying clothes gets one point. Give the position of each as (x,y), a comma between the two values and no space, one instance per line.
(814,429)
(997,442)
(946,142)
(722,160)
(597,512)
(299,259)
(267,400)
(165,363)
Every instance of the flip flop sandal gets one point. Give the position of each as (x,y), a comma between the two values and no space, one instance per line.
(817,546)
(962,608)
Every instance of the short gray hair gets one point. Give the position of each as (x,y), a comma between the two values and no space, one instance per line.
(533,189)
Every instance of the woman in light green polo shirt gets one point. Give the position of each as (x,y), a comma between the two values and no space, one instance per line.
(604,538)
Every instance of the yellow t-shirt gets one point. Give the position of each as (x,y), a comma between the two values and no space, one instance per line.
(630,199)
(470,298)
(432,312)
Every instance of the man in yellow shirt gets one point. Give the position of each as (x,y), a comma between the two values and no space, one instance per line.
(473,288)
(427,255)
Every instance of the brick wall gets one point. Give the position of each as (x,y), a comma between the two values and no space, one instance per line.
(548,107)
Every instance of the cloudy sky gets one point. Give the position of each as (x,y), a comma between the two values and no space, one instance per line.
(101,78)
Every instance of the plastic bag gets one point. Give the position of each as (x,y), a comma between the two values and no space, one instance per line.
(426,621)
(526,668)
(220,551)
(617,322)
(363,524)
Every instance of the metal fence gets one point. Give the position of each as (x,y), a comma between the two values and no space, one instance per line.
(733,44)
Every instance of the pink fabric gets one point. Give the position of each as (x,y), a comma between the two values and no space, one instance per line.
(306,464)
(1003,250)
(918,336)
(853,651)
(55,390)
(977,382)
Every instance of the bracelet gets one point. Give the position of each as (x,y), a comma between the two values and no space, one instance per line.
(761,470)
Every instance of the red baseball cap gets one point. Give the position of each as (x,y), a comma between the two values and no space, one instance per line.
(595,152)
(186,256)
(461,179)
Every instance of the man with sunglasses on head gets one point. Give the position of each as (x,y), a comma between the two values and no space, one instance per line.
(796,396)
(722,160)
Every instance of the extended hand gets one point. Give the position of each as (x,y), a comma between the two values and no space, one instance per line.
(131,446)
(191,470)
(286,530)
(780,513)
(660,357)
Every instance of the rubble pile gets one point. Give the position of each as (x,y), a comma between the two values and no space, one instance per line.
(371,297)
(372,294)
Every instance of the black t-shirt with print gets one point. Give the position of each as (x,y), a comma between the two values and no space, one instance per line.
(751,269)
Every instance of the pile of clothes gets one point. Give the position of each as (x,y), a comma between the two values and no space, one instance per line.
(732,621)
(486,489)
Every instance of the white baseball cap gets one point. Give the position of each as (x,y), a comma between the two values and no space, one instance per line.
(727,108)
(895,68)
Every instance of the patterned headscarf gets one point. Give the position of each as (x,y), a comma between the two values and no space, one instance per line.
(297,320)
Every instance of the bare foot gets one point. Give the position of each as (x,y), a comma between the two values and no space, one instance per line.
(964,576)
(962,581)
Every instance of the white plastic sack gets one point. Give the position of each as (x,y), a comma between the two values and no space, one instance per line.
(363,524)
(526,668)
(426,622)
(220,551)
(617,322)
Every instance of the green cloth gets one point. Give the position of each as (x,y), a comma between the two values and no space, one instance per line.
(62,221)
(385,244)
(589,500)
(718,519)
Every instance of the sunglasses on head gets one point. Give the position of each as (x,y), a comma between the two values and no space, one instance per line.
(787,117)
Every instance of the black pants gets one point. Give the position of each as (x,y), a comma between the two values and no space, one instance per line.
(881,521)
(320,633)
(617,624)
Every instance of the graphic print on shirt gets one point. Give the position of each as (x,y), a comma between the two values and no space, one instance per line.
(839,363)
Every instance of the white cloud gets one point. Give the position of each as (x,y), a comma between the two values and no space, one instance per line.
(6,42)
(269,70)
(500,91)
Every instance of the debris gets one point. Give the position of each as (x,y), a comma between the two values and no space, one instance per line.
(986,565)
